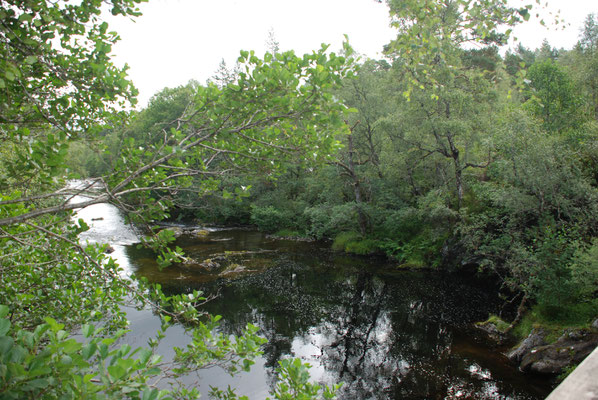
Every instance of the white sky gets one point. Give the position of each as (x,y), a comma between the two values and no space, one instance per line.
(178,40)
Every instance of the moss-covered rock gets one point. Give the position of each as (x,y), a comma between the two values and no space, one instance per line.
(570,349)
(495,328)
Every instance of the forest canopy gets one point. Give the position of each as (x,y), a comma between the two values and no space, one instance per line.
(440,155)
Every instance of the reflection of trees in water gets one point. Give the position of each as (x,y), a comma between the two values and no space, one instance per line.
(380,342)
(359,353)
(385,337)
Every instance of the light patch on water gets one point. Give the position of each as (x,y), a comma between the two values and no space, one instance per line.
(490,391)
(106,225)
(309,349)
(383,328)
(481,373)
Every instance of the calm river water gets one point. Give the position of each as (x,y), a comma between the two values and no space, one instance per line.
(385,333)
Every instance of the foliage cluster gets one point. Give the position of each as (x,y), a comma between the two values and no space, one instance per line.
(60,102)
(439,154)
(458,157)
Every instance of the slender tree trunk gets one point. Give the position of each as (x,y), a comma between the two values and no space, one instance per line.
(362,219)
(459,182)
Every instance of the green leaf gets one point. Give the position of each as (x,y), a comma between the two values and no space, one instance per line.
(40,383)
(86,329)
(25,18)
(4,326)
(17,354)
(104,350)
(3,311)
(116,371)
(89,350)
(149,394)
(144,355)
(6,344)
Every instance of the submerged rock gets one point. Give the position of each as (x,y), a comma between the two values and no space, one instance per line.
(202,233)
(210,264)
(234,269)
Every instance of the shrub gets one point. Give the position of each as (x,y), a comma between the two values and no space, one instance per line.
(363,247)
(353,242)
(270,219)
(288,233)
(343,239)
(327,221)
(584,270)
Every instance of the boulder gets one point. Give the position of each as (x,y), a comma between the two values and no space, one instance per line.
(492,331)
(534,339)
(569,349)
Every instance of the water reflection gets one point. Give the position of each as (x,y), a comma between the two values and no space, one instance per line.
(386,334)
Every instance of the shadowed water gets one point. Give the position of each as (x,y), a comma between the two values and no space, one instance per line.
(385,333)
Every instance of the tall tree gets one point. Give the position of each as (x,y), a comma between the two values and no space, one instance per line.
(587,62)
(359,160)
(553,97)
(57,84)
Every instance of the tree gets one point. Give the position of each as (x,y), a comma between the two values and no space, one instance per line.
(57,91)
(431,33)
(552,97)
(533,211)
(589,34)
(520,59)
(55,65)
(429,49)
(586,63)
(547,52)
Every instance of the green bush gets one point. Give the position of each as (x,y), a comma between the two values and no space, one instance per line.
(403,224)
(584,270)
(574,316)
(269,219)
(327,221)
(343,239)
(363,247)
(353,242)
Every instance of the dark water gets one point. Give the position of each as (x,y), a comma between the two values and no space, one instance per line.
(386,334)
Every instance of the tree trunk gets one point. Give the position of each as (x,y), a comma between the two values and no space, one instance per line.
(362,219)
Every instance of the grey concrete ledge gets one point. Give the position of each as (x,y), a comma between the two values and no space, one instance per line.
(581,384)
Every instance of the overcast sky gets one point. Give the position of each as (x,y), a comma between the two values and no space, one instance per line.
(178,40)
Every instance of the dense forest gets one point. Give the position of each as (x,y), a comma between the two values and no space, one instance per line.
(451,153)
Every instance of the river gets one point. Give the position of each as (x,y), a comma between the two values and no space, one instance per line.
(385,333)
